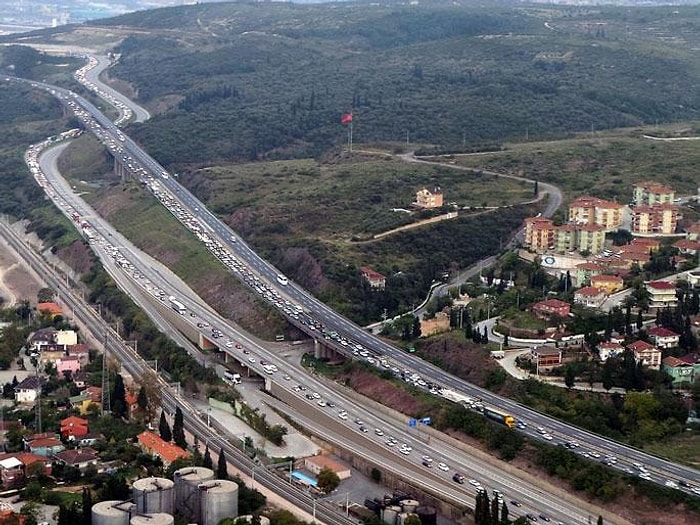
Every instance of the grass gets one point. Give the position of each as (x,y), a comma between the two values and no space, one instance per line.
(681,449)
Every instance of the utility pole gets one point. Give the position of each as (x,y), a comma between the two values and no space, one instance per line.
(106,408)
(37,406)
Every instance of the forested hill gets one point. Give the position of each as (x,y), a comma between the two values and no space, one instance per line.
(271,80)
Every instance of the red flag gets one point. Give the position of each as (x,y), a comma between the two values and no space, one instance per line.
(346,118)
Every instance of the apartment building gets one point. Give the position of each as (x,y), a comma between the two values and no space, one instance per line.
(660,219)
(539,233)
(662,294)
(650,193)
(592,210)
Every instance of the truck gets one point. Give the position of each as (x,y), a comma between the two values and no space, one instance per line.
(499,417)
(177,305)
(232,377)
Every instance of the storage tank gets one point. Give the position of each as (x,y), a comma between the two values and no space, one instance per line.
(248,518)
(111,513)
(389,514)
(427,515)
(219,500)
(186,492)
(155,518)
(409,505)
(153,495)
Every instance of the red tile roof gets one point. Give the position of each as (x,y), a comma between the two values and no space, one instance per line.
(640,346)
(660,331)
(589,291)
(661,285)
(169,452)
(51,308)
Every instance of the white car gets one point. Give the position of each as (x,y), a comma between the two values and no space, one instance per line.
(442,466)
(229,344)
(474,482)
(251,360)
(343,416)
(427,459)
(404,451)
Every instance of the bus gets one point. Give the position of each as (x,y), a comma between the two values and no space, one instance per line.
(282,279)
(177,305)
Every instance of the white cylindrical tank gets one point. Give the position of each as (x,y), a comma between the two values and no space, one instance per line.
(153,495)
(409,505)
(248,518)
(155,518)
(389,514)
(111,513)
(187,496)
(219,500)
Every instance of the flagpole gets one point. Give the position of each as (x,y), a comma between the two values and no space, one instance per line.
(350,135)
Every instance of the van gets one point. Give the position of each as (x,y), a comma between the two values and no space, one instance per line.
(458,478)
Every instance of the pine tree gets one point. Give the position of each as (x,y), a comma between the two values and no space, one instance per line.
(207,462)
(504,514)
(142,399)
(87,506)
(164,428)
(600,520)
(222,466)
(494,511)
(119,397)
(179,430)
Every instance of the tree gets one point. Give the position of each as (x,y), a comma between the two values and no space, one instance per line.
(569,376)
(164,428)
(179,430)
(31,512)
(376,475)
(416,328)
(87,506)
(494,511)
(207,461)
(142,399)
(119,397)
(222,466)
(45,295)
(504,514)
(412,519)
(600,520)
(327,480)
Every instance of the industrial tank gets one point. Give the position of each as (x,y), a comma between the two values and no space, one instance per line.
(219,500)
(427,515)
(156,518)
(409,505)
(248,518)
(186,492)
(111,513)
(389,514)
(153,495)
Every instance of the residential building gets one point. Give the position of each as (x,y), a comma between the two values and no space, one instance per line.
(66,338)
(595,211)
(28,389)
(50,309)
(692,232)
(650,193)
(660,219)
(609,284)
(644,244)
(683,372)
(316,464)
(42,338)
(646,353)
(73,428)
(565,237)
(590,238)
(589,296)
(609,349)
(586,270)
(81,403)
(429,199)
(11,472)
(153,444)
(551,307)
(46,447)
(687,247)
(375,279)
(80,458)
(662,294)
(663,337)
(68,364)
(539,233)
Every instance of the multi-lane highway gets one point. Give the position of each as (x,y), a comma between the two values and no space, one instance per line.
(324,318)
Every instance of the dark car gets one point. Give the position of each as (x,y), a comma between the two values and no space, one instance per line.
(516,503)
(531,517)
(544,518)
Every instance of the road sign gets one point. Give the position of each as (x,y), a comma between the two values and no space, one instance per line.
(426,421)
(412,422)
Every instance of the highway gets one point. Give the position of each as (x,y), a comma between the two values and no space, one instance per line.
(318,311)
(324,318)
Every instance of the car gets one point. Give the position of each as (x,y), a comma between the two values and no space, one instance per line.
(474,483)
(516,503)
(458,478)
(251,360)
(442,466)
(544,517)
(363,429)
(358,421)
(428,464)
(321,403)
(316,395)
(671,484)
(548,437)
(379,431)
(330,404)
(229,344)
(389,443)
(343,416)
(404,451)
(246,352)
(531,517)
(407,446)
(286,377)
(427,458)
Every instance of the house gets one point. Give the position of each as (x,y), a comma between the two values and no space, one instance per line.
(80,458)
(66,338)
(429,199)
(89,440)
(81,403)
(46,447)
(687,247)
(27,458)
(28,390)
(375,279)
(546,356)
(69,364)
(609,349)
(589,296)
(74,427)
(646,353)
(153,444)
(11,472)
(692,232)
(662,294)
(132,404)
(551,307)
(41,339)
(609,284)
(660,219)
(663,337)
(682,371)
(50,309)
(80,379)
(315,464)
